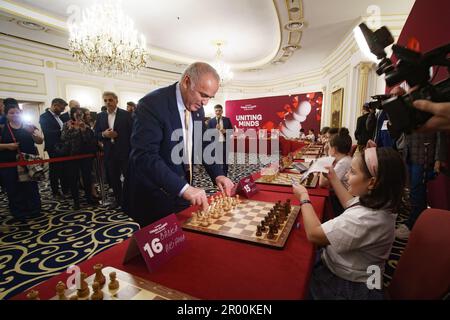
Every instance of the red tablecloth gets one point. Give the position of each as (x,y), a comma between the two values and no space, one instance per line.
(216,268)
(319,192)
(251,145)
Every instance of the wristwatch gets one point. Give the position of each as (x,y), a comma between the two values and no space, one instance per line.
(305,202)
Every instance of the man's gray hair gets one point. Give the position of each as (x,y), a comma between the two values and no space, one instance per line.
(197,69)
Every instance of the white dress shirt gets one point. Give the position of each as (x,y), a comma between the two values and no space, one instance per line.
(220,123)
(182,109)
(111,120)
(360,237)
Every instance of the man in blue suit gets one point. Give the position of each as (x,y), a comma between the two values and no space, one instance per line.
(221,124)
(52,121)
(113,129)
(160,176)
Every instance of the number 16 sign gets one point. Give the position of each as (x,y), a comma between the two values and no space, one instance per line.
(157,243)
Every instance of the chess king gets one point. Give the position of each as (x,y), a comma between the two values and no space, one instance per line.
(157,185)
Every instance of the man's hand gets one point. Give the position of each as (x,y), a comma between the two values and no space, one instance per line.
(225,185)
(197,197)
(441,119)
(110,133)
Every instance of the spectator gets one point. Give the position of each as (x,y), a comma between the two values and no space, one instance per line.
(52,122)
(362,132)
(15,136)
(131,107)
(113,129)
(80,139)
(423,154)
(92,149)
(74,104)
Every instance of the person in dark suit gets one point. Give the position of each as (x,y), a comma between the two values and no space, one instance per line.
(52,122)
(113,129)
(362,132)
(167,132)
(222,124)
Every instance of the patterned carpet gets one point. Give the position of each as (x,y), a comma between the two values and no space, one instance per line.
(43,247)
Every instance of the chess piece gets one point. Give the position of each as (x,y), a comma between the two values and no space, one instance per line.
(258,231)
(33,295)
(97,292)
(263,226)
(270,235)
(194,217)
(83,291)
(99,277)
(113,284)
(61,290)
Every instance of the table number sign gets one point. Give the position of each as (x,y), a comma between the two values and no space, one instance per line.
(157,243)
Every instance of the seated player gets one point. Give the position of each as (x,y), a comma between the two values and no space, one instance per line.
(331,132)
(361,238)
(340,146)
(311,137)
(321,137)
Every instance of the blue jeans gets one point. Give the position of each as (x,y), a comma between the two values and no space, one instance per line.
(418,191)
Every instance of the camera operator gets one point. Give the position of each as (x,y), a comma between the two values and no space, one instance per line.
(423,154)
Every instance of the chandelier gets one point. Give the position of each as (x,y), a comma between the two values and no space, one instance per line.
(105,41)
(221,67)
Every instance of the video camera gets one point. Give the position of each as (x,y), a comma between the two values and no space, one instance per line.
(412,67)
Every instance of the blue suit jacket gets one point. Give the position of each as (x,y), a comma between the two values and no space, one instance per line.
(226,123)
(154,180)
(51,129)
(122,125)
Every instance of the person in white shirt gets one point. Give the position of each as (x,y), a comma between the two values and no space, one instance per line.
(340,146)
(302,134)
(358,241)
(311,137)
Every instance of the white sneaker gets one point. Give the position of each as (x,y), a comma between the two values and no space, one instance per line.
(402,232)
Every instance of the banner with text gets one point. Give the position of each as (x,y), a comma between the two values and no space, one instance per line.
(288,113)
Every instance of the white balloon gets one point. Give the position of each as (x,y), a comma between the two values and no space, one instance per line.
(304,108)
(291,124)
(299,118)
(289,133)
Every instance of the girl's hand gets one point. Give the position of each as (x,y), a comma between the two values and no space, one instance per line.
(300,192)
(331,175)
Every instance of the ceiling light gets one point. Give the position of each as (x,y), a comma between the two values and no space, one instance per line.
(294,25)
(223,69)
(30,25)
(106,41)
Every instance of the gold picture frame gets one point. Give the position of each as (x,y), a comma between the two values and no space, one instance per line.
(337,102)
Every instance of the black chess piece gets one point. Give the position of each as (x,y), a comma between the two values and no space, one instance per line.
(258,231)
(263,226)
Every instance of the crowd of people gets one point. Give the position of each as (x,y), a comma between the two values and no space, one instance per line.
(369,188)
(65,134)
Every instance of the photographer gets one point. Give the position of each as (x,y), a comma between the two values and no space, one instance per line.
(77,136)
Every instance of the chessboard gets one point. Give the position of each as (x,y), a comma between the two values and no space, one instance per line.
(128,287)
(256,222)
(285,179)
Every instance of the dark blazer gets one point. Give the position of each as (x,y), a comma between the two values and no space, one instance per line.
(122,125)
(51,129)
(362,135)
(154,179)
(226,123)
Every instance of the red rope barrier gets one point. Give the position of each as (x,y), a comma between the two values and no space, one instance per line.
(60,159)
